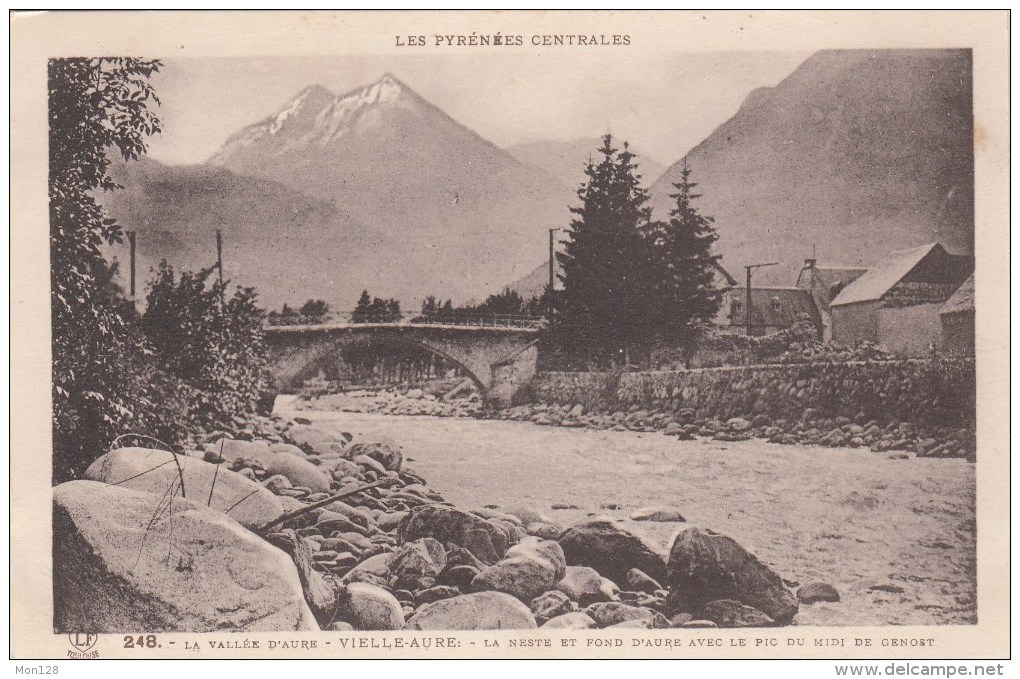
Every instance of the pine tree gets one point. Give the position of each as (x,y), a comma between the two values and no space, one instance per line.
(363,311)
(685,268)
(605,286)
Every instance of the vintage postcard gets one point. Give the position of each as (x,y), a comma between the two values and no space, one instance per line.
(510,335)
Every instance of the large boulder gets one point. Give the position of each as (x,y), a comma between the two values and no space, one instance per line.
(570,621)
(584,585)
(388,456)
(537,548)
(524,577)
(815,592)
(375,569)
(299,471)
(449,524)
(730,613)
(313,439)
(356,515)
(479,611)
(551,604)
(367,607)
(421,558)
(154,471)
(126,560)
(610,550)
(705,566)
(613,612)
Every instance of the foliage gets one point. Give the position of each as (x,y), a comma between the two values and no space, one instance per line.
(314,308)
(431,306)
(684,270)
(213,345)
(375,310)
(507,302)
(94,105)
(605,305)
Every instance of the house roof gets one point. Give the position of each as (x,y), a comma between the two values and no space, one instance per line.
(962,300)
(824,278)
(827,275)
(793,302)
(881,278)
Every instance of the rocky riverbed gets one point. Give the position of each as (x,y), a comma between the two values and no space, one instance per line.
(897,438)
(850,517)
(335,531)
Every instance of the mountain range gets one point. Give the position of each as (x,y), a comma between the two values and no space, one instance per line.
(394,196)
(854,154)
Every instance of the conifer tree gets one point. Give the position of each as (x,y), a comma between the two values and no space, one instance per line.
(684,268)
(605,284)
(363,311)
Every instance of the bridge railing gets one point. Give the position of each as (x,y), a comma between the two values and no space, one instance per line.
(467,319)
(478,320)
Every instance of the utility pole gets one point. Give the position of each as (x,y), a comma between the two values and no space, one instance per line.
(219,261)
(552,272)
(131,243)
(749,268)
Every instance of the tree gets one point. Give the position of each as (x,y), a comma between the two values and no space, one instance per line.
(684,268)
(604,261)
(375,310)
(95,104)
(315,308)
(215,348)
(363,311)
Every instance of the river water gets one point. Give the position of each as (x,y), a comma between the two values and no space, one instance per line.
(849,517)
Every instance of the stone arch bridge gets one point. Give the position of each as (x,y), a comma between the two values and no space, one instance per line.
(499,360)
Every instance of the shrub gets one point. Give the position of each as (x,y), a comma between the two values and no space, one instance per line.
(214,346)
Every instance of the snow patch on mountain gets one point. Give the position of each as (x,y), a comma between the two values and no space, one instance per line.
(293,108)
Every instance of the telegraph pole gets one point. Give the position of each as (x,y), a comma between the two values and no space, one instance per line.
(749,268)
(131,242)
(552,271)
(219,261)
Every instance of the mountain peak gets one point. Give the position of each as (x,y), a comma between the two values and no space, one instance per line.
(308,103)
(384,90)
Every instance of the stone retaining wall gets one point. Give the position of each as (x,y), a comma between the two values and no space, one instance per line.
(926,392)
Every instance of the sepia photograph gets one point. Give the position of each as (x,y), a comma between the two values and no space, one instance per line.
(538,332)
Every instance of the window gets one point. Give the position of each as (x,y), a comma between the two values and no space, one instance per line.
(776,304)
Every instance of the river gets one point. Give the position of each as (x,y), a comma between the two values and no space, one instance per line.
(849,517)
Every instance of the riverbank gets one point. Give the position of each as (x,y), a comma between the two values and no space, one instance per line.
(809,427)
(896,537)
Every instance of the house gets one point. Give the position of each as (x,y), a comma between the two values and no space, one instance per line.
(896,304)
(825,283)
(772,309)
(957,318)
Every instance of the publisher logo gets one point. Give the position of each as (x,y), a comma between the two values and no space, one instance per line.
(82,643)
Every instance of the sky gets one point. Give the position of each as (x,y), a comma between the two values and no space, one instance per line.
(663,105)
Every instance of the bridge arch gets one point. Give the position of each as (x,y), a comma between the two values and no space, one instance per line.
(499,361)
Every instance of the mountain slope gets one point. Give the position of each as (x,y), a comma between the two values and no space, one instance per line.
(467,215)
(289,246)
(566,160)
(858,152)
